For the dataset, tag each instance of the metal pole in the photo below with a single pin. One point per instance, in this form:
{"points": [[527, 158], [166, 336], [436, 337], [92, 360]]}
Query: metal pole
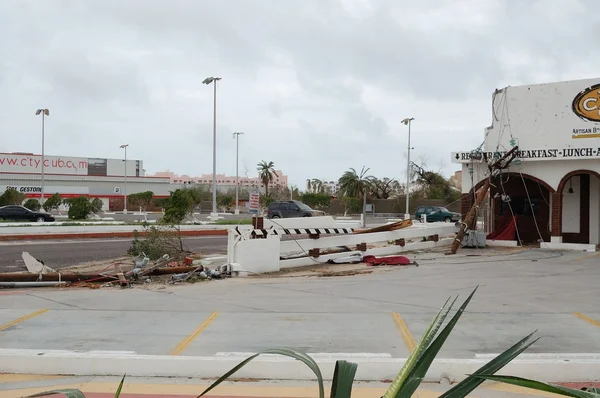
{"points": [[214, 178], [125, 198], [43, 160], [407, 211], [237, 183]]}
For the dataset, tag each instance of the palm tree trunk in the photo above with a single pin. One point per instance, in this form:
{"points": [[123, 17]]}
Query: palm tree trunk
{"points": [[364, 212]]}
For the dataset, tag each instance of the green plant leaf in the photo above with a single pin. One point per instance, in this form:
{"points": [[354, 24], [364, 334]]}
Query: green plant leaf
{"points": [[539, 386], [288, 352], [419, 371], [118, 392], [69, 392], [472, 382], [419, 349], [343, 378]]}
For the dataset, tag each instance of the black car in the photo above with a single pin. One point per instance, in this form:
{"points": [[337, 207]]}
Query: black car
{"points": [[20, 213], [291, 208]]}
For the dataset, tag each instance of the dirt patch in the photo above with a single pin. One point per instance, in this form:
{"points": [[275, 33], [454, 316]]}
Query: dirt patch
{"points": [[327, 270]]}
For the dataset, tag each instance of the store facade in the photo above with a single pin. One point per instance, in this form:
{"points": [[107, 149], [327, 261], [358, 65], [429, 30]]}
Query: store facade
{"points": [[107, 179], [551, 191]]}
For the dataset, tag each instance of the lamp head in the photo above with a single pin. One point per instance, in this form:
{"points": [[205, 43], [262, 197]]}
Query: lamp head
{"points": [[209, 80]]}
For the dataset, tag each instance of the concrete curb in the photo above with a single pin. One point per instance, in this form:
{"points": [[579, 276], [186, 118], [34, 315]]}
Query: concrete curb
{"points": [[370, 367], [98, 235]]}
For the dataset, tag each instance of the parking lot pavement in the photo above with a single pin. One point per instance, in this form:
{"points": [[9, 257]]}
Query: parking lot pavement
{"points": [[382, 313]]}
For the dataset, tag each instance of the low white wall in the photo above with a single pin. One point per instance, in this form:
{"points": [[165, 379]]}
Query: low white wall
{"points": [[262, 255]]}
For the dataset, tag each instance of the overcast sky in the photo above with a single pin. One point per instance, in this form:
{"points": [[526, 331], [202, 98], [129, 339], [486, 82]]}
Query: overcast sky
{"points": [[317, 86]]}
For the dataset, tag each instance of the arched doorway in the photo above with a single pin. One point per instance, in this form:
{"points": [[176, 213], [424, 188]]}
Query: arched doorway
{"points": [[520, 198], [579, 215]]}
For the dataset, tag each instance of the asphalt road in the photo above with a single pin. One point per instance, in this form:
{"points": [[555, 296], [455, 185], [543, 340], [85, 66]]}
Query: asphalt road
{"points": [[60, 254]]}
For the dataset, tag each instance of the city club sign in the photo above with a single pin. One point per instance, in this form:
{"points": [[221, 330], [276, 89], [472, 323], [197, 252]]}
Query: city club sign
{"points": [[586, 105], [531, 154]]}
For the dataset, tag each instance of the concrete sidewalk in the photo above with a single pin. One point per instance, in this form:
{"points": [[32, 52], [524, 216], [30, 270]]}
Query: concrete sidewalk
{"points": [[374, 318], [14, 386]]}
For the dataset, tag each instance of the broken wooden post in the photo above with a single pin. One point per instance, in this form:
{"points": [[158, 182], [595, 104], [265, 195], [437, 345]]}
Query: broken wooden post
{"points": [[470, 217]]}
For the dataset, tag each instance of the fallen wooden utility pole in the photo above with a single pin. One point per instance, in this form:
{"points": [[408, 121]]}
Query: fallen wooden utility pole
{"points": [[470, 218], [76, 277]]}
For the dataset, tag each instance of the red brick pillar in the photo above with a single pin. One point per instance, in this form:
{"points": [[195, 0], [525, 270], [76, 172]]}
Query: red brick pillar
{"points": [[556, 214]]}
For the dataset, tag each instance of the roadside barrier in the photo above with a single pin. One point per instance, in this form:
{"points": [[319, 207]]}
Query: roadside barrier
{"points": [[251, 251]]}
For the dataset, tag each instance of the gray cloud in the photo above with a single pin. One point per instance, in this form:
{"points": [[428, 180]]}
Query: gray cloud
{"points": [[318, 86]]}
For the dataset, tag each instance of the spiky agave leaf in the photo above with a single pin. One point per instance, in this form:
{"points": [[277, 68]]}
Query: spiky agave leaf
{"points": [[419, 370], [425, 341], [288, 352], [69, 392], [539, 386], [343, 378], [472, 382]]}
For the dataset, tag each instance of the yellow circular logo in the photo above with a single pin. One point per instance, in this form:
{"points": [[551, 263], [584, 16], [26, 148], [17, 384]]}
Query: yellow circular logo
{"points": [[586, 104]]}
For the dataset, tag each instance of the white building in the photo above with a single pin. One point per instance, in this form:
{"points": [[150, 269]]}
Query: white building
{"points": [[553, 186], [78, 176]]}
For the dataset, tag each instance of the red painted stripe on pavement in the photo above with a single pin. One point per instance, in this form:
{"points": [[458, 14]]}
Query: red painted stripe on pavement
{"points": [[127, 395], [579, 385], [99, 235]]}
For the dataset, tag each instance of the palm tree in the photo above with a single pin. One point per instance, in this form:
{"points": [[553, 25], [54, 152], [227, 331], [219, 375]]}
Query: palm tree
{"points": [[354, 185], [317, 186], [266, 171]]}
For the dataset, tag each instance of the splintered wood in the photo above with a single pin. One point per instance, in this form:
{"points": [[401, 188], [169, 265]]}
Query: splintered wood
{"points": [[387, 227]]}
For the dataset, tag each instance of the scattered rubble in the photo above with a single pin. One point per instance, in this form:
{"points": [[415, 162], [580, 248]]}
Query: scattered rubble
{"points": [[124, 272]]}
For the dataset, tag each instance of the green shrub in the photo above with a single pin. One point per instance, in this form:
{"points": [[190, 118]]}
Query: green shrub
{"points": [[157, 241], [316, 200], [96, 205], [32, 204], [53, 202], [141, 199], [179, 204], [11, 197], [79, 207]]}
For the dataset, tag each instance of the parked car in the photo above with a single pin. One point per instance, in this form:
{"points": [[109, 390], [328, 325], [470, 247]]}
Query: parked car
{"points": [[291, 208], [20, 213], [437, 214]]}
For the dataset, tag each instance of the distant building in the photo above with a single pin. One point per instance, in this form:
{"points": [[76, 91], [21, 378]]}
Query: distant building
{"points": [[224, 182], [456, 179], [70, 177]]}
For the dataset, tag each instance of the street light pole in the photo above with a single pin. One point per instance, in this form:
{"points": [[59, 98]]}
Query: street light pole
{"points": [[207, 81], [124, 146], [43, 112], [407, 211], [237, 183]]}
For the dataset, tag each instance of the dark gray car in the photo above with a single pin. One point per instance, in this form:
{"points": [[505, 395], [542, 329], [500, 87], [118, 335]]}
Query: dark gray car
{"points": [[291, 208], [20, 213]]}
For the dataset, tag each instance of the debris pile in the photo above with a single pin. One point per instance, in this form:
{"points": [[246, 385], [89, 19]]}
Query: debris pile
{"points": [[141, 270]]}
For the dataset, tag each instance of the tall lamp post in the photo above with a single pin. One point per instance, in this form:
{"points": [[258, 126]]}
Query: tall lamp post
{"points": [[237, 182], [407, 213], [124, 146], [43, 112], [208, 81]]}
